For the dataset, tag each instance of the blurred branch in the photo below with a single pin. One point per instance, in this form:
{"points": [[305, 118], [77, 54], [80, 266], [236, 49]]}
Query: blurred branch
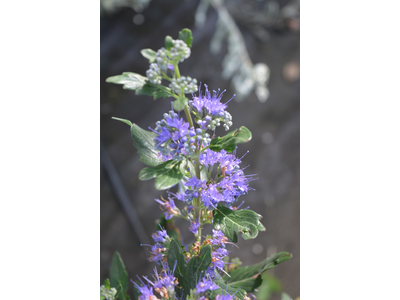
{"points": [[237, 64], [122, 195]]}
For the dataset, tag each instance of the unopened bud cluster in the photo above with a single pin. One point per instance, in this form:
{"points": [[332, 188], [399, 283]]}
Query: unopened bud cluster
{"points": [[162, 59], [211, 122], [180, 51], [154, 74], [184, 84]]}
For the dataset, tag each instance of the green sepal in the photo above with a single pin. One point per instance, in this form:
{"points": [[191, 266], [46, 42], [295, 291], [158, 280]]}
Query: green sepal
{"points": [[229, 141], [186, 36], [180, 103], [149, 54], [131, 81], [232, 222], [144, 143], [168, 42]]}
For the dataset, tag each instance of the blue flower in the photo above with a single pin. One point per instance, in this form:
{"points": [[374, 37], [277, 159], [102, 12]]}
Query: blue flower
{"points": [[210, 104], [205, 285], [209, 110], [160, 236], [145, 290], [169, 208], [194, 226]]}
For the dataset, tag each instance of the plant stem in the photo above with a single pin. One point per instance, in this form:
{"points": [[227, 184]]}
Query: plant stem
{"points": [[197, 202]]}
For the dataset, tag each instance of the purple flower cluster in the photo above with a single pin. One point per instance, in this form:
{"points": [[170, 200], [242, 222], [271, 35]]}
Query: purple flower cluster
{"points": [[206, 284], [221, 181], [168, 207], [209, 110], [226, 187], [163, 284], [158, 250], [172, 134], [218, 253], [175, 139]]}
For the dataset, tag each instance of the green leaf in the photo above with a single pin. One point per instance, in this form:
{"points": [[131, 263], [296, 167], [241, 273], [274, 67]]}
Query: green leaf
{"points": [[152, 172], [186, 36], [240, 293], [246, 284], [229, 141], [175, 255], [169, 179], [166, 174], [180, 103], [168, 42], [107, 283], [232, 222], [244, 277], [155, 90], [131, 81], [144, 143], [266, 264], [123, 120], [119, 276], [270, 285], [198, 265], [149, 54]]}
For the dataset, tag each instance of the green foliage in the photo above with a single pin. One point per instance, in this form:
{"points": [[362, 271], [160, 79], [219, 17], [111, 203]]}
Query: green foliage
{"points": [[123, 121], [167, 174], [230, 140], [119, 277], [155, 90], [248, 278], [168, 42], [144, 143], [224, 287], [188, 274], [149, 54], [180, 103], [232, 222], [175, 255], [198, 265], [186, 36], [270, 285], [140, 84], [131, 81]]}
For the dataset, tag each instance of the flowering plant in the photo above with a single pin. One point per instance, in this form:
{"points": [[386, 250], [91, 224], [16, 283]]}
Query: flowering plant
{"points": [[208, 180]]}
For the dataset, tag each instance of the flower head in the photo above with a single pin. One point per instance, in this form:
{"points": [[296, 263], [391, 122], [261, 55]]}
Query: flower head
{"points": [[205, 285], [209, 109]]}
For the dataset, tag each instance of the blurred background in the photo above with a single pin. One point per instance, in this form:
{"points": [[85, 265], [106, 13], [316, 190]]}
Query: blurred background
{"points": [[250, 48]]}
